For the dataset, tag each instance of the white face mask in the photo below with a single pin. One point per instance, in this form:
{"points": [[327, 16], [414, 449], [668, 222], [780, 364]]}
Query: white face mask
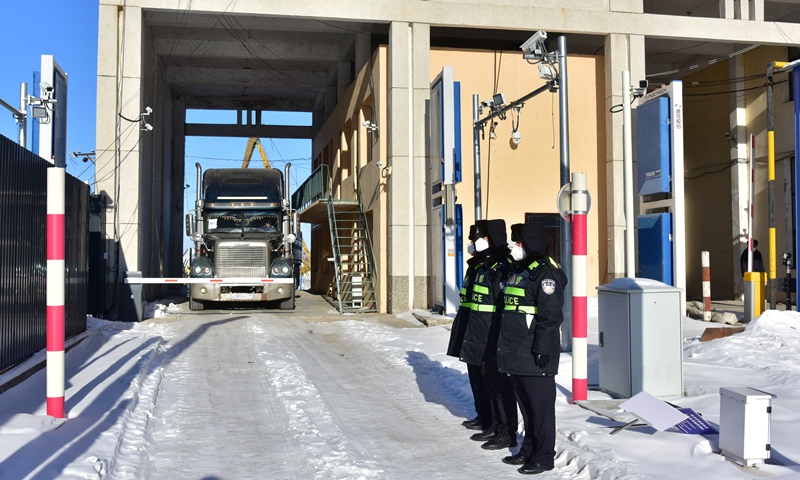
{"points": [[481, 244], [471, 249], [517, 253]]}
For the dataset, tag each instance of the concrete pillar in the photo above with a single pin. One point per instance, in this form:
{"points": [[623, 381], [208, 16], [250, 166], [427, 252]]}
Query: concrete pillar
{"points": [[343, 79], [726, 9], [362, 48], [757, 10], [623, 52], [409, 90], [740, 172], [119, 86]]}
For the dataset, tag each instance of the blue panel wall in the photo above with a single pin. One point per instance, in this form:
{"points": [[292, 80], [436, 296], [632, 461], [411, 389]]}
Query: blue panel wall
{"points": [[655, 247], [653, 146]]}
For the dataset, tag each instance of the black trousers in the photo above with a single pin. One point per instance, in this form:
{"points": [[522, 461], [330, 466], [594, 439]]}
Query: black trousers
{"points": [[481, 395], [537, 401], [501, 399]]}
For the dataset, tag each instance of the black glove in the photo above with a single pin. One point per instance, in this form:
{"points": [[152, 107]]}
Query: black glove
{"points": [[540, 360]]}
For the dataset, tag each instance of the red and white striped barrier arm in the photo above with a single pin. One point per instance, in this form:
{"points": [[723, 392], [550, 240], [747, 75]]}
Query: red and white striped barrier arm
{"points": [[229, 281], [55, 291], [580, 209]]}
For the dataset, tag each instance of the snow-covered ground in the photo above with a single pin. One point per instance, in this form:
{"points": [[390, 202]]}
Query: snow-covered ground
{"points": [[241, 395]]}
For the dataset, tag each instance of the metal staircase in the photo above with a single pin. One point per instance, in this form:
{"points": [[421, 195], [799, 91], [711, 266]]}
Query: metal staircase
{"points": [[353, 258]]}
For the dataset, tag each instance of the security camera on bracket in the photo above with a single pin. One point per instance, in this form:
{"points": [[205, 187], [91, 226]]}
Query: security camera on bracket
{"points": [[533, 48]]}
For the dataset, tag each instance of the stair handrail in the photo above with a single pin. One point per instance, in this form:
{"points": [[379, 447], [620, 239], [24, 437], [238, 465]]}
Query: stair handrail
{"points": [[315, 187]]}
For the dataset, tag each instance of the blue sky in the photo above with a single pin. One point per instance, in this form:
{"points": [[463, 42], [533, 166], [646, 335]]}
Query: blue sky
{"points": [[25, 39]]}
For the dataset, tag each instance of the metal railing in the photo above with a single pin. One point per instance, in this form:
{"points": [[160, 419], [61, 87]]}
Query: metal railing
{"points": [[316, 187]]}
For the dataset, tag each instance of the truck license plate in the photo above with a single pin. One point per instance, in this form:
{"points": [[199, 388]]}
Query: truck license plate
{"points": [[241, 296]]}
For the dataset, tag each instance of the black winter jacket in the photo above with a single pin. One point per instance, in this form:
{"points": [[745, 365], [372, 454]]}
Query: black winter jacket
{"points": [[459, 326], [532, 317], [486, 304]]}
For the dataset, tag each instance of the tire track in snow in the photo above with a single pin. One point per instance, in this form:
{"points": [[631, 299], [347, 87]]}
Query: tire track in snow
{"points": [[216, 416], [329, 451]]}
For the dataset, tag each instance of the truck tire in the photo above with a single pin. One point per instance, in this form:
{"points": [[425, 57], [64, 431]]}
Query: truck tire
{"points": [[288, 304], [196, 305]]}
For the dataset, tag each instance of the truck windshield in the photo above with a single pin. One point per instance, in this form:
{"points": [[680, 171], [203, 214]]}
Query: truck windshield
{"points": [[231, 222]]}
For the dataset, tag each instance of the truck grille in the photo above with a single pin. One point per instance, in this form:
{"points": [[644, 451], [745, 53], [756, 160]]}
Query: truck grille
{"points": [[241, 261]]}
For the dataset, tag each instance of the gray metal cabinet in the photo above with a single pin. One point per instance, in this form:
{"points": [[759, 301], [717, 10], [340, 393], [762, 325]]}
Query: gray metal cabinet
{"points": [[641, 340]]}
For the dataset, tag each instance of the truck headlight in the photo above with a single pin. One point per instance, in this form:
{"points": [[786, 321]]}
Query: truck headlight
{"points": [[281, 267], [202, 267]]}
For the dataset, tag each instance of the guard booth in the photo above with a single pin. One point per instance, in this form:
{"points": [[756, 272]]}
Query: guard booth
{"points": [[444, 172]]}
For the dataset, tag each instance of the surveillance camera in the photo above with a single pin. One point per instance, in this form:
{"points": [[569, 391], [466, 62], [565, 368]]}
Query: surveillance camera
{"points": [[499, 99], [148, 110], [530, 45], [643, 84], [516, 137], [488, 103], [379, 163], [47, 87]]}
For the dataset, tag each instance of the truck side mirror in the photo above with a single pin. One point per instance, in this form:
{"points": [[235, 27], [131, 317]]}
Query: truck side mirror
{"points": [[189, 224]]}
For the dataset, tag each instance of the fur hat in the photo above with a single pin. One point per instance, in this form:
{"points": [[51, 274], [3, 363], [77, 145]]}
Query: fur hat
{"points": [[497, 233], [473, 229], [531, 235]]}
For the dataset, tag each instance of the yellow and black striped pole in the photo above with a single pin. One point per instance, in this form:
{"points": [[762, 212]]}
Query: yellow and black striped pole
{"points": [[773, 286]]}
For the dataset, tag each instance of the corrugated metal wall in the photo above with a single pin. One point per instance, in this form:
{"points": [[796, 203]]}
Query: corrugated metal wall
{"points": [[23, 211]]}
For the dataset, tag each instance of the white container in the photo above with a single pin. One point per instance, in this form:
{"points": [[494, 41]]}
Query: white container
{"points": [[744, 417]]}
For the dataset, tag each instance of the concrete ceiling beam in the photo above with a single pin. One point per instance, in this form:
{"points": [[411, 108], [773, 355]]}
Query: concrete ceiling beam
{"points": [[313, 52], [246, 131], [281, 104], [210, 76]]}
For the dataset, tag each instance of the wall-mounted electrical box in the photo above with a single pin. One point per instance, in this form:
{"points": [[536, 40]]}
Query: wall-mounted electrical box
{"points": [[655, 247]]}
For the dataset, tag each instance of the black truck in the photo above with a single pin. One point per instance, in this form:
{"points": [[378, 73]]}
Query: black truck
{"points": [[243, 228]]}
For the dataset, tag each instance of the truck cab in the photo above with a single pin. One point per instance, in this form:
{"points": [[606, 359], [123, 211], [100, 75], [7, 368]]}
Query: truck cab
{"points": [[243, 230]]}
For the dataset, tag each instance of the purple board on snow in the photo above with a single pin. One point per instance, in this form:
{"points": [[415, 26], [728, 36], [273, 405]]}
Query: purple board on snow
{"points": [[695, 424]]}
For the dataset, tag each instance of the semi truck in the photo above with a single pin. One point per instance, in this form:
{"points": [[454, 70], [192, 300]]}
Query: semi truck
{"points": [[243, 228]]}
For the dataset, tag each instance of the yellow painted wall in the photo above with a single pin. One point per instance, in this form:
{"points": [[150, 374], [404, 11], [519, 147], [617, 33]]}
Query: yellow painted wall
{"points": [[707, 167], [525, 178], [516, 179]]}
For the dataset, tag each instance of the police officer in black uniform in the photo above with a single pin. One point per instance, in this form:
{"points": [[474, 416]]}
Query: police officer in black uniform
{"points": [[529, 346], [480, 340], [480, 395]]}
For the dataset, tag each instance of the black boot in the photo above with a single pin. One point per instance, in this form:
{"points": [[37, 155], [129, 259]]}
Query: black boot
{"points": [[533, 469], [474, 424], [518, 459], [499, 442], [483, 436]]}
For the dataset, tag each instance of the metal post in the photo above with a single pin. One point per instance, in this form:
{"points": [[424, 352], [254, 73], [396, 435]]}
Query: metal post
{"points": [[627, 160], [23, 118], [752, 202], [773, 288], [476, 141], [796, 89], [566, 227], [579, 210]]}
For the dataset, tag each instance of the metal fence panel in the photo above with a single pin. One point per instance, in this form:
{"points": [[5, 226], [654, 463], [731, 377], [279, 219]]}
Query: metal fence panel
{"points": [[23, 257]]}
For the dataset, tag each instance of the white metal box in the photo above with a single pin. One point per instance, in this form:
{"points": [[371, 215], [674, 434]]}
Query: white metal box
{"points": [[744, 424], [641, 338]]}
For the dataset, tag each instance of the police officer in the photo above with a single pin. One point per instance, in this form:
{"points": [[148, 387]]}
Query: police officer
{"points": [[480, 395], [480, 340], [529, 345]]}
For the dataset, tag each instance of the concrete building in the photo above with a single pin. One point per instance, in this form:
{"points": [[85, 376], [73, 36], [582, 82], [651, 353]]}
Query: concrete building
{"points": [[349, 62]]}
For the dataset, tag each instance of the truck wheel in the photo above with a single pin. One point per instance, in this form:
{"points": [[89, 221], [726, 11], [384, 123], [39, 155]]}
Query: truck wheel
{"points": [[196, 305], [288, 304]]}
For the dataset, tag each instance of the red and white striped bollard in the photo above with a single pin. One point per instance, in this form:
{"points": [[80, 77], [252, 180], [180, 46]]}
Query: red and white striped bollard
{"points": [[706, 264], [56, 197], [580, 209]]}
